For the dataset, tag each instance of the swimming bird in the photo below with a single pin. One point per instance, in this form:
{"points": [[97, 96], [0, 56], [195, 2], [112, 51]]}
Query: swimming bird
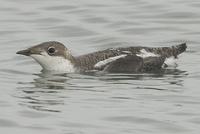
{"points": [[54, 56]]}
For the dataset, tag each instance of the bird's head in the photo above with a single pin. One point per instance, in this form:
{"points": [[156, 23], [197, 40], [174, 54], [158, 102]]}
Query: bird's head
{"points": [[52, 56]]}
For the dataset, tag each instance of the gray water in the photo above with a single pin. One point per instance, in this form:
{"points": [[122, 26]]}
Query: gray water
{"points": [[33, 102]]}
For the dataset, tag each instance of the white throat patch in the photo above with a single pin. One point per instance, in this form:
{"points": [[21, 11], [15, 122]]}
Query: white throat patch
{"points": [[54, 63]]}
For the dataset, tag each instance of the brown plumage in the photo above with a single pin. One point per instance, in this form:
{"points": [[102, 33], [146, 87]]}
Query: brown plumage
{"points": [[54, 55], [87, 62]]}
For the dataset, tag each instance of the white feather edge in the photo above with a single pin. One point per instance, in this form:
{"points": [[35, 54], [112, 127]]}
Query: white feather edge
{"points": [[144, 54], [106, 61]]}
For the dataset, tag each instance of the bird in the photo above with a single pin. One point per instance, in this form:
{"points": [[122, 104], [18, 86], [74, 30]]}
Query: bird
{"points": [[54, 56]]}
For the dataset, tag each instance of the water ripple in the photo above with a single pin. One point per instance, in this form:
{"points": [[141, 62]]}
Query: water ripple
{"points": [[37, 102]]}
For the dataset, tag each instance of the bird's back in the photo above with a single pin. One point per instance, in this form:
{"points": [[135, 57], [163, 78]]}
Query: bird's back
{"points": [[88, 61]]}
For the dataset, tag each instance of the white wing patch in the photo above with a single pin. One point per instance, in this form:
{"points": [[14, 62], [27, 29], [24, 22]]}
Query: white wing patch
{"points": [[171, 62], [106, 61], [127, 52], [144, 54]]}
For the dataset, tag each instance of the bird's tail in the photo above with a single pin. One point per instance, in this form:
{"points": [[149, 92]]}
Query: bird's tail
{"points": [[178, 49]]}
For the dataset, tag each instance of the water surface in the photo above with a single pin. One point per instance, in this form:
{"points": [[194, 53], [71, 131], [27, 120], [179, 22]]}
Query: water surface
{"points": [[36, 102]]}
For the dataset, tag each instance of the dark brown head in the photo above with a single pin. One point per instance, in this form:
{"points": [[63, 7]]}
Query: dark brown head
{"points": [[50, 55], [52, 48]]}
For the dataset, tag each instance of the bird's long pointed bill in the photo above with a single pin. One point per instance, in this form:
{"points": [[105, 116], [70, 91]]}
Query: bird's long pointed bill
{"points": [[25, 52]]}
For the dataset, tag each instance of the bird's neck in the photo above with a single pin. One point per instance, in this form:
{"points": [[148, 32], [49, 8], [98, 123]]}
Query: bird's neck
{"points": [[64, 65]]}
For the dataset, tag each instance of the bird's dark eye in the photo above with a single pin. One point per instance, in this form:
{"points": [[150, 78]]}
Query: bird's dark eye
{"points": [[51, 50]]}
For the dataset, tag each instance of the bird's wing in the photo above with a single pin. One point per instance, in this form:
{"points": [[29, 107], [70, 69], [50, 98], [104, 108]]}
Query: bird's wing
{"points": [[134, 64], [153, 63], [91, 60], [127, 64]]}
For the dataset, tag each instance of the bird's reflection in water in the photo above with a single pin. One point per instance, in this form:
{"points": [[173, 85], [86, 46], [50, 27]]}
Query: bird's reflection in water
{"points": [[50, 81], [161, 74], [45, 93], [48, 92], [166, 79]]}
